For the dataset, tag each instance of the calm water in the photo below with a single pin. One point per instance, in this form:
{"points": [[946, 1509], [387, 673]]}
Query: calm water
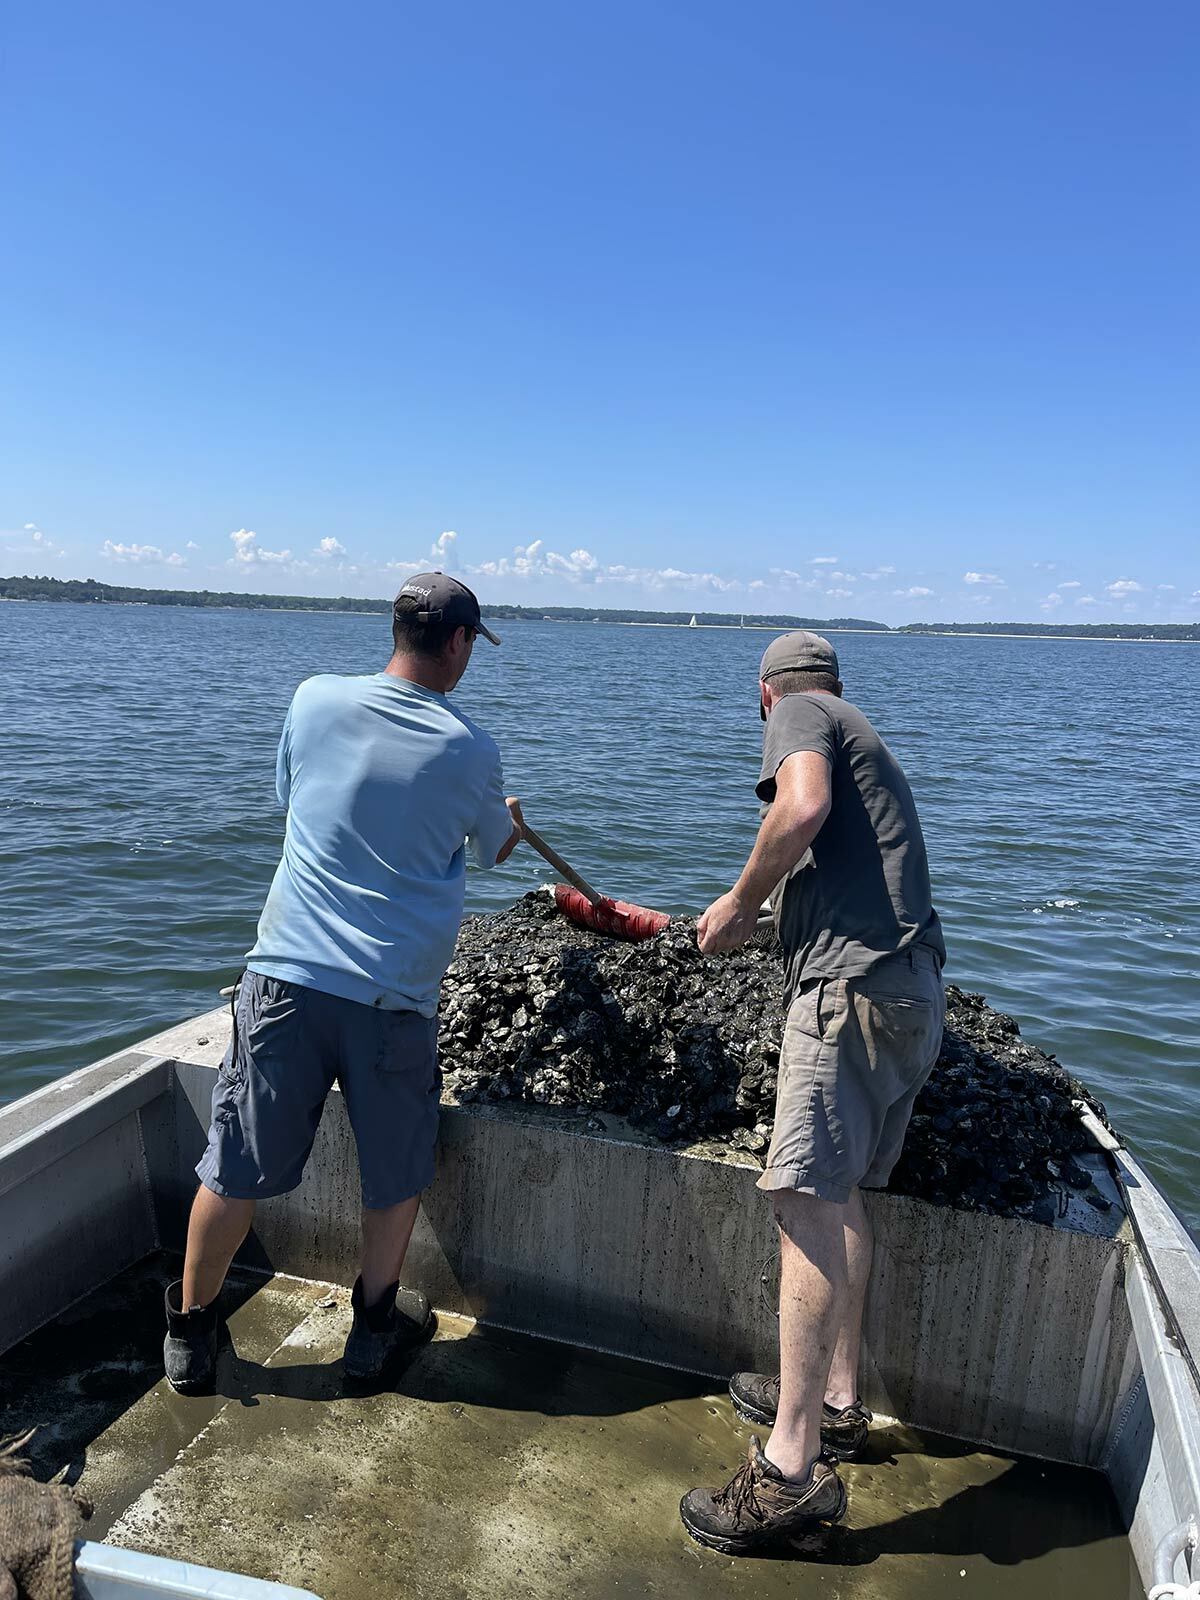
{"points": [[1057, 782]]}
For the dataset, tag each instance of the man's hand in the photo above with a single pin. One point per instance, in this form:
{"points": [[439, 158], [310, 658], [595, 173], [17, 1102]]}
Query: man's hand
{"points": [[518, 833], [726, 925]]}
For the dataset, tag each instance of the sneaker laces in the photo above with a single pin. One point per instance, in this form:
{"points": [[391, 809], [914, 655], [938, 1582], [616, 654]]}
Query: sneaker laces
{"points": [[739, 1495]]}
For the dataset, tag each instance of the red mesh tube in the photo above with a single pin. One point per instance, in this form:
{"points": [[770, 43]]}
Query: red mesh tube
{"points": [[615, 917]]}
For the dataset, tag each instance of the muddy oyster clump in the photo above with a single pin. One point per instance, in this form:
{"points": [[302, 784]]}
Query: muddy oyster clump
{"points": [[687, 1048]]}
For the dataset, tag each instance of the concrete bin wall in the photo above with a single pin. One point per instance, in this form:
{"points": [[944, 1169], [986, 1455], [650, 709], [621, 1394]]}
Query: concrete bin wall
{"points": [[1003, 1332], [999, 1331]]}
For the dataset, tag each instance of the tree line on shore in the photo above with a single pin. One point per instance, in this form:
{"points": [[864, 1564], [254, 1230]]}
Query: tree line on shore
{"points": [[88, 591]]}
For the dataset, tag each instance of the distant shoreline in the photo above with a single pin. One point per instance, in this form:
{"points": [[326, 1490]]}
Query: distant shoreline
{"points": [[29, 591]]}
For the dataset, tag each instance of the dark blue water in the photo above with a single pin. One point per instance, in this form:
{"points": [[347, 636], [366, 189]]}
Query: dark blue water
{"points": [[1057, 781]]}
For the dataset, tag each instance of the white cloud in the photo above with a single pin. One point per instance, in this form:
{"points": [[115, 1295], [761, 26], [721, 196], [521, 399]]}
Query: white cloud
{"points": [[823, 561], [1052, 601], [33, 541], [1087, 600], [990, 578], [838, 594], [140, 554], [191, 545], [787, 578], [1169, 586], [443, 546], [1071, 583], [247, 551], [330, 547], [917, 592], [880, 572], [1122, 587], [1046, 566], [534, 560], [842, 577]]}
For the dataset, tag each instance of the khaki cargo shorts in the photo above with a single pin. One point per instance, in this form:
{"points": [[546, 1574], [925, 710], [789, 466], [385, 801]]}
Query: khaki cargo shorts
{"points": [[855, 1054]]}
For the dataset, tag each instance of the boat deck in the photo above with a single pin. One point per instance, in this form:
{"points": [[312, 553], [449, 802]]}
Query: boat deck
{"points": [[496, 1465]]}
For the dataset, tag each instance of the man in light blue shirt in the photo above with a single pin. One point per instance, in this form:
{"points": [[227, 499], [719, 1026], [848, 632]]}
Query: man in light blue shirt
{"points": [[386, 787]]}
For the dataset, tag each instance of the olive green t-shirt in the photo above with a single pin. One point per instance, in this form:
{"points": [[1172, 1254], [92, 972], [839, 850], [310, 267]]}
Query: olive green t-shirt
{"points": [[861, 892]]}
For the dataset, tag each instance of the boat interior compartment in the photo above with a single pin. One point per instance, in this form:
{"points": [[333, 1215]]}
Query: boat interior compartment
{"points": [[593, 1289]]}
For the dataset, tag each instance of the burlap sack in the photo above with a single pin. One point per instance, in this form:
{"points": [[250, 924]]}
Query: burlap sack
{"points": [[39, 1523]]}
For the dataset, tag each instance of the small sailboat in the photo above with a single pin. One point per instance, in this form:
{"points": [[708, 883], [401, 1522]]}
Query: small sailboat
{"points": [[693, 623]]}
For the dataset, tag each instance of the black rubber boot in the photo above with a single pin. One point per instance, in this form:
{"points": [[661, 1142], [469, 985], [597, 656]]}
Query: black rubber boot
{"points": [[190, 1348], [755, 1396], [399, 1322]]}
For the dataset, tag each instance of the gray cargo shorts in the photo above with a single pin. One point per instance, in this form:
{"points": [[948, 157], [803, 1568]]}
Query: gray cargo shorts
{"points": [[290, 1045], [855, 1054]]}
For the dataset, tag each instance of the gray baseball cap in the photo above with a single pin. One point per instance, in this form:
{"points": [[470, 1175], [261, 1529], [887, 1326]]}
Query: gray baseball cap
{"points": [[434, 597], [797, 652]]}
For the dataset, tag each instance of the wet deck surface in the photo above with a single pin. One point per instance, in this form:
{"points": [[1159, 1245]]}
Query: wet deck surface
{"points": [[497, 1466]]}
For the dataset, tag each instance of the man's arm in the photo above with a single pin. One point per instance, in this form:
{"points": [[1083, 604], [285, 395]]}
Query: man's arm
{"points": [[499, 827], [802, 800], [283, 762]]}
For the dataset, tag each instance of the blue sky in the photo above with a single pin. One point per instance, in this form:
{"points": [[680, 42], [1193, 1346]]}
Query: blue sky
{"points": [[859, 309]]}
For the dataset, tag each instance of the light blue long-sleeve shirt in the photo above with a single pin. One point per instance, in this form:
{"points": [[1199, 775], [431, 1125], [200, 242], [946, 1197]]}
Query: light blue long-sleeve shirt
{"points": [[386, 784]]}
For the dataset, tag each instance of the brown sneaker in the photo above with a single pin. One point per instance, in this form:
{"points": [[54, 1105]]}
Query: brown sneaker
{"points": [[759, 1506], [843, 1433]]}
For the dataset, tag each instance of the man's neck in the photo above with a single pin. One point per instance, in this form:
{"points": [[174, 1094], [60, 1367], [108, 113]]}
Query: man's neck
{"points": [[420, 670]]}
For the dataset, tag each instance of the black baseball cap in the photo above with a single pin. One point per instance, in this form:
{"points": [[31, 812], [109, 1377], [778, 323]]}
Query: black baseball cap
{"points": [[434, 597]]}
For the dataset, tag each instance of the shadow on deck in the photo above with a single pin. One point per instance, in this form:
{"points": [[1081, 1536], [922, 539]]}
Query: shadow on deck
{"points": [[498, 1465]]}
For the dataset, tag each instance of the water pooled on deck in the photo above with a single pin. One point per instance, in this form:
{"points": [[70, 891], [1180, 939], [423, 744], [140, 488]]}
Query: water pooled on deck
{"points": [[495, 1465]]}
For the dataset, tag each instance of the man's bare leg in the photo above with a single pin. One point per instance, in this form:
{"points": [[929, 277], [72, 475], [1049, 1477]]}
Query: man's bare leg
{"points": [[813, 1295], [216, 1229], [842, 1388], [385, 1236]]}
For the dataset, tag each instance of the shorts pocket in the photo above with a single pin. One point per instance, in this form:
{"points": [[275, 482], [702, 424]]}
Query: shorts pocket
{"points": [[901, 1013], [805, 1014], [407, 1042], [232, 1070], [266, 1011], [903, 1033]]}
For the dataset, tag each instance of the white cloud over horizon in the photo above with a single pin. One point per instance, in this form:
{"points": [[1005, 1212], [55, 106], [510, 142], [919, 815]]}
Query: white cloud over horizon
{"points": [[247, 551], [541, 570], [580, 567], [140, 554], [32, 540]]}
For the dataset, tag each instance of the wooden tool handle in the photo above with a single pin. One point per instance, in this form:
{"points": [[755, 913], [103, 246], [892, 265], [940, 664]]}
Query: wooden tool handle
{"points": [[556, 861]]}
